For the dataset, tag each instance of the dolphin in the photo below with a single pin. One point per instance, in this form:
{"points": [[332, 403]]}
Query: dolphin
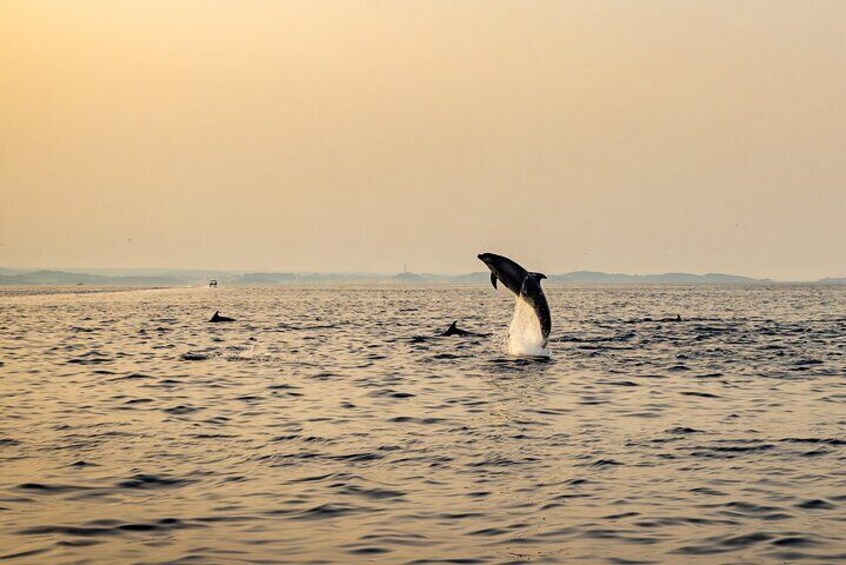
{"points": [[218, 318], [522, 283], [678, 318], [453, 329]]}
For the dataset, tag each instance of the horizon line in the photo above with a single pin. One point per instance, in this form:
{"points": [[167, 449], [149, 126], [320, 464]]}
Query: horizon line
{"points": [[241, 271]]}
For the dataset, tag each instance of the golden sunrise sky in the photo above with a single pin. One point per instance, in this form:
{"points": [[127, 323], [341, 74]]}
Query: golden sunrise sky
{"points": [[624, 136]]}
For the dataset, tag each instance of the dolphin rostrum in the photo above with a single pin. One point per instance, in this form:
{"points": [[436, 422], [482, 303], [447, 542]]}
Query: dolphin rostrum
{"points": [[524, 284]]}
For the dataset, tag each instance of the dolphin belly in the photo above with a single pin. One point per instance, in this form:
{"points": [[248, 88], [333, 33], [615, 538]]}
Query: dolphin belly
{"points": [[532, 293]]}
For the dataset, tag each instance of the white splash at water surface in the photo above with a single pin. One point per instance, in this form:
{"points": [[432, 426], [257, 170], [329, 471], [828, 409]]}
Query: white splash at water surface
{"points": [[525, 338]]}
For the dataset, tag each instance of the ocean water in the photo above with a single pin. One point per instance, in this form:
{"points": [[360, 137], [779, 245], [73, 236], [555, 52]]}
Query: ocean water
{"points": [[331, 425]]}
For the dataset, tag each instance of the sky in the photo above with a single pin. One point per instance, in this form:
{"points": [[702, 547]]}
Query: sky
{"points": [[353, 136]]}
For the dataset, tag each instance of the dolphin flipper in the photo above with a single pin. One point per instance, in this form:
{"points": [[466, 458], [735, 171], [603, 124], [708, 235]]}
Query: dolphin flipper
{"points": [[493, 280]]}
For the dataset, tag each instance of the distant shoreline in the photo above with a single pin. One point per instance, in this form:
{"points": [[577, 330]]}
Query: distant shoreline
{"points": [[45, 289], [153, 278]]}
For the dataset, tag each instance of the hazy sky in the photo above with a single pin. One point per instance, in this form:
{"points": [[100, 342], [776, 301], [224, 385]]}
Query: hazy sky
{"points": [[629, 136]]}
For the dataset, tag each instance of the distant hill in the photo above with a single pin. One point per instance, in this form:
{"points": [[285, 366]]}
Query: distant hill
{"points": [[409, 278], [5, 271], [266, 278], [833, 280], [671, 278], [52, 278], [62, 278]]}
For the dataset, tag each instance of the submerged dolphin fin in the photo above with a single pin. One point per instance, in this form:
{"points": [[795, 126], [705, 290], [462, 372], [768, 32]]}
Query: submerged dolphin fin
{"points": [[451, 330], [493, 280]]}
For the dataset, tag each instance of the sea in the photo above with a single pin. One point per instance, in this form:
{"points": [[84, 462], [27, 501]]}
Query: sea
{"points": [[333, 424]]}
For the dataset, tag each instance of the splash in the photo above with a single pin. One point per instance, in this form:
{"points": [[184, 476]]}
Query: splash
{"points": [[524, 334]]}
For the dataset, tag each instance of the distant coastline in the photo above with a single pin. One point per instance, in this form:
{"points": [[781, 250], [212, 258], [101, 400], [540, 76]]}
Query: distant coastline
{"points": [[162, 277]]}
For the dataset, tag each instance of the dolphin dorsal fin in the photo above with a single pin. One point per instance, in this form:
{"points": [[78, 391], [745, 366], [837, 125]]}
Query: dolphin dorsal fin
{"points": [[493, 280], [452, 325]]}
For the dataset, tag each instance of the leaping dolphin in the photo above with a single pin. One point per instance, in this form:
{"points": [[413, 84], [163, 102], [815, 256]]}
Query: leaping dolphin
{"points": [[524, 284]]}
